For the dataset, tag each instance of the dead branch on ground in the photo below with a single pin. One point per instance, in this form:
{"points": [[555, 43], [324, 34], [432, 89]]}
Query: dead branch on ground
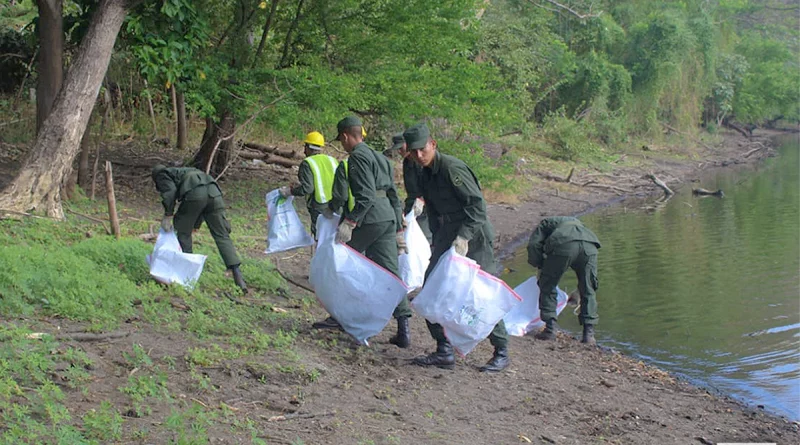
{"points": [[660, 184]]}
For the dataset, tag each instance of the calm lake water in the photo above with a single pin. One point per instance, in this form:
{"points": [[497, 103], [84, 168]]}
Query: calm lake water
{"points": [[707, 288]]}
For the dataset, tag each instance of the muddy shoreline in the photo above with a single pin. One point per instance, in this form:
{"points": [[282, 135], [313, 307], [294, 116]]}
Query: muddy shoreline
{"points": [[515, 222]]}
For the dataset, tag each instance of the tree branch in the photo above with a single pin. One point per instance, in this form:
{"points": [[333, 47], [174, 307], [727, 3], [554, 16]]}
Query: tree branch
{"points": [[561, 7]]}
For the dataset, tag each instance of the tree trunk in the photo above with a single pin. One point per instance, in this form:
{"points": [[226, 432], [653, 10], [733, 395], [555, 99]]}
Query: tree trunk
{"points": [[265, 32], [51, 67], [213, 147], [36, 187], [84, 175], [181, 119], [288, 42]]}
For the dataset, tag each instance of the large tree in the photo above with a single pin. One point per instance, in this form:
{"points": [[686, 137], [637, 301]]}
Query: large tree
{"points": [[50, 28], [37, 187]]}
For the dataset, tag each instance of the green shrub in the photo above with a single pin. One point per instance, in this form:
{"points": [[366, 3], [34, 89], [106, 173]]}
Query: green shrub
{"points": [[127, 255], [569, 139], [61, 283]]}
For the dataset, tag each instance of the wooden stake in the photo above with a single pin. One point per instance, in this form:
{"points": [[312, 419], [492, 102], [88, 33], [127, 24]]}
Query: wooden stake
{"points": [[112, 201]]}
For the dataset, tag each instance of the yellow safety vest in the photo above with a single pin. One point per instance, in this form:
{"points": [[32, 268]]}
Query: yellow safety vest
{"points": [[351, 201], [323, 168]]}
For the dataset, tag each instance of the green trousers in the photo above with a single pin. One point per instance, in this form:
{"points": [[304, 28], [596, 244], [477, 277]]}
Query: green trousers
{"points": [[378, 242], [581, 257], [481, 249], [198, 206]]}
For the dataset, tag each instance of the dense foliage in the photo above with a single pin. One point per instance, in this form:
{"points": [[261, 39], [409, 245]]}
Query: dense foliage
{"points": [[579, 74]]}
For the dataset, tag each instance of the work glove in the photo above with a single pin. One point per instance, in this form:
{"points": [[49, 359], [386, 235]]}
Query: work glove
{"points": [[419, 205], [285, 191], [345, 231], [402, 248], [166, 223], [327, 212], [461, 245]]}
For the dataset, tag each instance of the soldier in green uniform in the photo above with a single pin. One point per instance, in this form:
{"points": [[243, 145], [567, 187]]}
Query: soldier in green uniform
{"points": [[315, 179], [457, 215], [200, 199], [560, 243], [371, 220], [411, 172]]}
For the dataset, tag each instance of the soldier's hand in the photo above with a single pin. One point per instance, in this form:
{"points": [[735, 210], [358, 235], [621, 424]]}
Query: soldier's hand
{"points": [[345, 231], [419, 206], [166, 223], [402, 247], [285, 191], [461, 245]]}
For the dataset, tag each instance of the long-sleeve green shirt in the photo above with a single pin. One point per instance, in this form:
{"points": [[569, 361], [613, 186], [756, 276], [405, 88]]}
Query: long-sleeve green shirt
{"points": [[554, 231], [453, 195], [411, 178], [176, 183], [369, 176]]}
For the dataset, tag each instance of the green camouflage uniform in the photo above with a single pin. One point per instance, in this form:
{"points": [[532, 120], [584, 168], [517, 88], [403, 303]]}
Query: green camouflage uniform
{"points": [[376, 210], [456, 207], [560, 243], [200, 198]]}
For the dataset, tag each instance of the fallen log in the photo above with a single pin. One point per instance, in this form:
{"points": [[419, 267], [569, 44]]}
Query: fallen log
{"points": [[703, 192], [286, 153], [283, 162], [88, 336], [751, 152], [660, 184]]}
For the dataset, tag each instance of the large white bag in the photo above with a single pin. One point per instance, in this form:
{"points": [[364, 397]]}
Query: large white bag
{"points": [[524, 317], [413, 264], [467, 301], [358, 293], [284, 229], [168, 264]]}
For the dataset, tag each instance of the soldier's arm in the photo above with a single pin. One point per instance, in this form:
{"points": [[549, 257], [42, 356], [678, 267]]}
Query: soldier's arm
{"points": [[469, 193], [411, 183], [340, 189], [391, 193], [536, 245], [169, 191], [306, 178], [362, 185]]}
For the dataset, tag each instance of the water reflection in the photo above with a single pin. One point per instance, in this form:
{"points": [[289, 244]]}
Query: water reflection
{"points": [[707, 287]]}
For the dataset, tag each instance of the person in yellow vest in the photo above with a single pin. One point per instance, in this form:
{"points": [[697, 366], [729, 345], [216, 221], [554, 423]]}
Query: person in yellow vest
{"points": [[315, 179]]}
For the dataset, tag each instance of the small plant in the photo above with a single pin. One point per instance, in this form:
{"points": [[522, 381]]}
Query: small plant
{"points": [[103, 423], [138, 358]]}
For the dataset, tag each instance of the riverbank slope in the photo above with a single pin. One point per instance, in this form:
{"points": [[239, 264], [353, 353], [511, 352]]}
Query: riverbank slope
{"points": [[214, 366]]}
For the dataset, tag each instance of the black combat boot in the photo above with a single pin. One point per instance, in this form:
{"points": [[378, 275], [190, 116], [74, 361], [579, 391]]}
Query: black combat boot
{"points": [[328, 323], [549, 331], [499, 361], [442, 358], [588, 334], [238, 279], [403, 337]]}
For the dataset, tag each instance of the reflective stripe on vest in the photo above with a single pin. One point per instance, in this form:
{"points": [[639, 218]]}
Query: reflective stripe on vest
{"points": [[351, 201], [323, 168]]}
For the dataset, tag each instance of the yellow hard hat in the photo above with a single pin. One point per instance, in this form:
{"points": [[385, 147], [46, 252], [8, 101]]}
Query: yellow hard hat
{"points": [[315, 138]]}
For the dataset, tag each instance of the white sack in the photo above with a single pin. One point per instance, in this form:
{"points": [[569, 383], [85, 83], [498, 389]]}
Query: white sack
{"points": [[467, 301], [413, 265], [168, 264], [284, 229], [358, 293], [524, 317]]}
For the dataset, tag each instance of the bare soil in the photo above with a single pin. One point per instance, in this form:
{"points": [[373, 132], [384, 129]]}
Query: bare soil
{"points": [[558, 392]]}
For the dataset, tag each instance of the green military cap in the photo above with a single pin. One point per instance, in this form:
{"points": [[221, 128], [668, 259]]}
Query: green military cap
{"points": [[398, 141], [349, 121], [158, 168], [417, 137]]}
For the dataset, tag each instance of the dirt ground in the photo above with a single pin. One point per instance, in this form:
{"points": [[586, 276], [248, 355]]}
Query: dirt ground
{"points": [[559, 392]]}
